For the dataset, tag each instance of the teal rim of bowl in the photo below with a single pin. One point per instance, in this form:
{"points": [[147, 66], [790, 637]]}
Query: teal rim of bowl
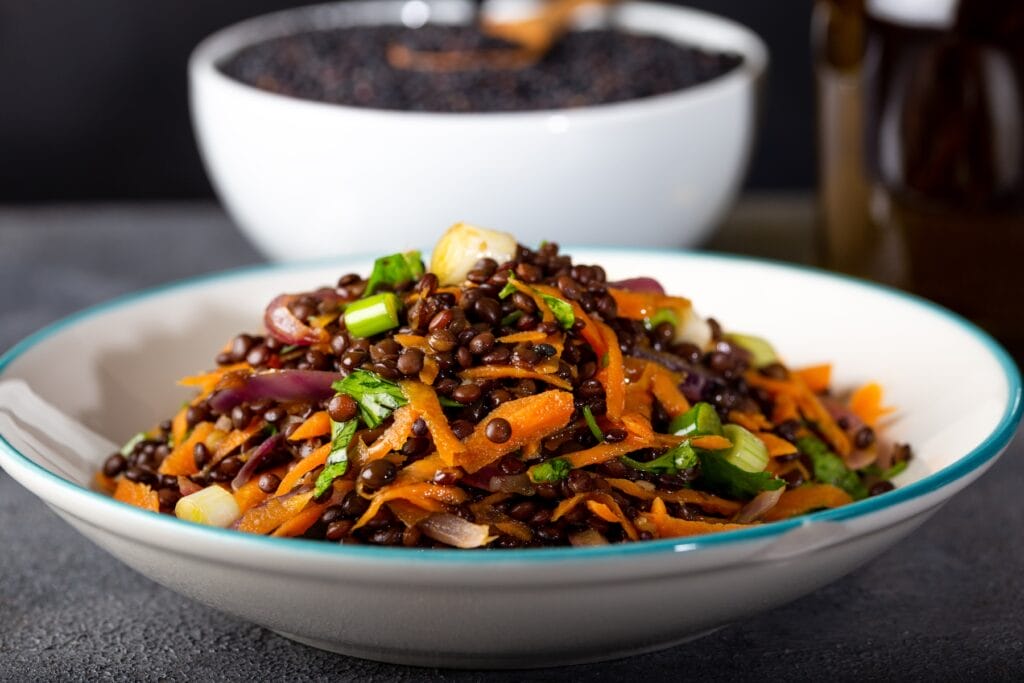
{"points": [[989, 448]]}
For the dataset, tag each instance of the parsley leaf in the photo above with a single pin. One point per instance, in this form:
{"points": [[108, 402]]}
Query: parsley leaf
{"points": [[681, 457], [337, 461], [561, 309], [376, 396], [829, 468], [551, 471]]}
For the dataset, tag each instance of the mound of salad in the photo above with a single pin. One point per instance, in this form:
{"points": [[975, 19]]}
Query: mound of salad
{"points": [[504, 398]]}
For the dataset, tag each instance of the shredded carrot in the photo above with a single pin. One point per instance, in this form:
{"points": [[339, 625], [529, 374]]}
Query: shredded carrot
{"points": [[808, 403], [181, 460], [139, 495], [523, 337], [816, 377], [754, 422], [249, 494], [639, 399], [784, 410], [179, 426], [866, 403], [672, 527], [535, 294], [510, 371], [317, 424], [273, 512], [105, 483], [301, 522], [420, 470], [707, 501], [427, 496], [604, 452], [776, 445], [605, 507], [393, 438], [412, 341], [430, 370], [665, 387], [806, 498], [303, 467], [530, 417], [566, 505], [424, 402], [641, 305], [207, 381], [612, 374], [237, 438], [410, 514], [711, 442]]}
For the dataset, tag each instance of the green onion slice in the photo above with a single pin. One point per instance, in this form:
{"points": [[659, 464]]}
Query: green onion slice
{"points": [[372, 315]]}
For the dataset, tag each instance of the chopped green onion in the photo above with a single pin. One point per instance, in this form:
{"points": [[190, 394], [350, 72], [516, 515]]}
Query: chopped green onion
{"points": [[551, 471], [213, 506], [681, 457], [762, 353], [747, 451], [720, 475], [662, 315], [395, 271], [511, 318], [700, 420], [588, 415], [373, 315], [127, 449], [509, 289]]}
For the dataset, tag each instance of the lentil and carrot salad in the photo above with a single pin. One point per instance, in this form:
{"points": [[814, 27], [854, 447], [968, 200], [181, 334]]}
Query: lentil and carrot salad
{"points": [[504, 398]]}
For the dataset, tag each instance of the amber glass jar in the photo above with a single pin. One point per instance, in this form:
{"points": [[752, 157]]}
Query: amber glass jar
{"points": [[921, 150]]}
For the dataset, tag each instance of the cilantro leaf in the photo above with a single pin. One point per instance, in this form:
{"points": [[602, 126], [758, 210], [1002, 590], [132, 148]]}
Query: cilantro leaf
{"points": [[337, 461], [721, 475], [377, 397], [829, 468], [395, 270], [508, 290], [681, 457]]}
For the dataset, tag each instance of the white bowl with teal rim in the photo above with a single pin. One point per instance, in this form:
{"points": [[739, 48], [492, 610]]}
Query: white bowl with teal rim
{"points": [[113, 367]]}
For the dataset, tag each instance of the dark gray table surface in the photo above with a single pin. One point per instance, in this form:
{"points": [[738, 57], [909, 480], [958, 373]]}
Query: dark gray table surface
{"points": [[945, 604]]}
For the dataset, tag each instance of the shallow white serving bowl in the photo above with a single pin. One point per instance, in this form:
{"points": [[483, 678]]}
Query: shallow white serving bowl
{"points": [[305, 179], [114, 367]]}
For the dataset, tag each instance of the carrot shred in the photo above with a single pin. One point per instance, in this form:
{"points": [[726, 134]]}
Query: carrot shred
{"points": [[424, 402], [866, 403], [613, 374], [408, 513], [430, 370], [754, 422], [672, 527], [139, 495], [776, 445], [604, 452], [303, 467], [665, 387], [427, 496], [207, 381], [806, 498], [711, 442], [707, 501], [273, 512], [412, 341], [317, 424], [785, 409], [181, 460], [104, 483], [179, 426], [523, 337], [605, 507], [394, 437], [237, 438], [249, 494], [510, 371], [566, 505], [808, 403], [530, 417], [323, 320], [640, 305], [602, 511], [816, 377], [420, 470], [303, 520]]}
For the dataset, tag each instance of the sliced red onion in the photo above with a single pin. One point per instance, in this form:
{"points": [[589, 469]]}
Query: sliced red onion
{"points": [[187, 486], [284, 326], [761, 503], [646, 285], [512, 483], [456, 531], [256, 458], [277, 385]]}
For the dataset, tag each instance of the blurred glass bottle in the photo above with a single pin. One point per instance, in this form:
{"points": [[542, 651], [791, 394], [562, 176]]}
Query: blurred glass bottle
{"points": [[921, 150]]}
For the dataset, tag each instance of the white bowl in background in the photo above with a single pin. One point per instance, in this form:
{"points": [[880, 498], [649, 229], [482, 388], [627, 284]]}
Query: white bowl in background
{"points": [[306, 179], [114, 368]]}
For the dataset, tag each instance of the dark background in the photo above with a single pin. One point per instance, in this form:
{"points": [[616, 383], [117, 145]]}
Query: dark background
{"points": [[94, 100]]}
